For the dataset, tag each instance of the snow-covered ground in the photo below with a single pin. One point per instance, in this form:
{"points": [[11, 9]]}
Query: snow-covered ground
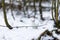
{"points": [[34, 29], [23, 33]]}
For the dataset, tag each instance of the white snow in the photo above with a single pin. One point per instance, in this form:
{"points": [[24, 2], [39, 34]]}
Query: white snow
{"points": [[23, 33], [36, 26]]}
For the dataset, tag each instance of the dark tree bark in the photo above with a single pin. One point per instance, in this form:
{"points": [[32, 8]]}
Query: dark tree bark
{"points": [[5, 17], [52, 9], [56, 4], [35, 8], [40, 9], [11, 9]]}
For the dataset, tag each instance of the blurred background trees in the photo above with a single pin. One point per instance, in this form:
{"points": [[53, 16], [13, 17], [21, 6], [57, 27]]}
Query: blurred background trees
{"points": [[31, 8], [34, 5]]}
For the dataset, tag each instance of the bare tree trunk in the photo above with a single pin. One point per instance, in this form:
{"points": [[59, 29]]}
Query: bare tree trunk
{"points": [[56, 13], [11, 9], [24, 6], [5, 17], [52, 9], [40, 9], [35, 8]]}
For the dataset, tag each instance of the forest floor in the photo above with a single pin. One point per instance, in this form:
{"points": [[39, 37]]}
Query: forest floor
{"points": [[26, 30], [30, 28]]}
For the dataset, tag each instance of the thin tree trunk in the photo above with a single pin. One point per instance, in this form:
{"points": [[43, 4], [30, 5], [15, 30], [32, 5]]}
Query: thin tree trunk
{"points": [[11, 9], [24, 6], [52, 9], [56, 13], [35, 8], [40, 9], [5, 17]]}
